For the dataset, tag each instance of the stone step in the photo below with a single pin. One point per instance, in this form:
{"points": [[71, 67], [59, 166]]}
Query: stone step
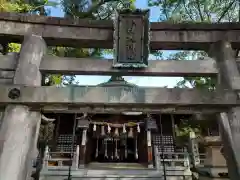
{"points": [[102, 174], [89, 174]]}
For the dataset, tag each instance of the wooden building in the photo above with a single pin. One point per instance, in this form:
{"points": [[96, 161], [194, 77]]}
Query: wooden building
{"points": [[127, 138]]}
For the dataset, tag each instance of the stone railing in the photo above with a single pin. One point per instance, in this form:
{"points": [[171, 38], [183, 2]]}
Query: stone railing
{"points": [[56, 160], [174, 164], [212, 163], [203, 157], [172, 159]]}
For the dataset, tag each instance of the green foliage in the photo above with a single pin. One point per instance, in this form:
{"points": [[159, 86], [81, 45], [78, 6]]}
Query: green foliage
{"points": [[39, 6], [22, 7], [186, 126], [14, 47], [177, 11], [16, 6], [197, 10], [95, 9]]}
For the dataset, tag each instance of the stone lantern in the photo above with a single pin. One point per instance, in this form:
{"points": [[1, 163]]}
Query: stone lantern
{"points": [[214, 156], [214, 164]]}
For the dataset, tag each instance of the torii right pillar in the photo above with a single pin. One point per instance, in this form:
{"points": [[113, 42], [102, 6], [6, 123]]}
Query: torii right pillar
{"points": [[229, 78]]}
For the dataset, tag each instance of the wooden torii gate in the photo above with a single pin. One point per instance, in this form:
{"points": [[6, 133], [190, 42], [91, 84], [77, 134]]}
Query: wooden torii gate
{"points": [[22, 97]]}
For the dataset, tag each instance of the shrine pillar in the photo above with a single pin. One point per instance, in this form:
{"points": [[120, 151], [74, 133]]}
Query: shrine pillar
{"points": [[83, 148], [19, 129], [83, 125], [149, 149], [150, 125]]}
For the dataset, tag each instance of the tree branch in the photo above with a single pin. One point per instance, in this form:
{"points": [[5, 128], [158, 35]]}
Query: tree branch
{"points": [[238, 10], [225, 11], [186, 9], [95, 7], [199, 10]]}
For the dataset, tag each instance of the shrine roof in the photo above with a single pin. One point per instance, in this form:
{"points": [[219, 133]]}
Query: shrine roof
{"points": [[117, 81]]}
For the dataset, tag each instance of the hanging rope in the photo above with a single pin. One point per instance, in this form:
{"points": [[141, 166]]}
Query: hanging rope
{"points": [[108, 129], [124, 129], [102, 131], [138, 128], [130, 133], [116, 125], [116, 132], [94, 127]]}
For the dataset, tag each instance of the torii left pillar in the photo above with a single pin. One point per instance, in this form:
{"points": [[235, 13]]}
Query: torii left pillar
{"points": [[20, 126]]}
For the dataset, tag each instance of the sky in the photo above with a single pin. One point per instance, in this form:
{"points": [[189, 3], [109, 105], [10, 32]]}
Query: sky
{"points": [[140, 81]]}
